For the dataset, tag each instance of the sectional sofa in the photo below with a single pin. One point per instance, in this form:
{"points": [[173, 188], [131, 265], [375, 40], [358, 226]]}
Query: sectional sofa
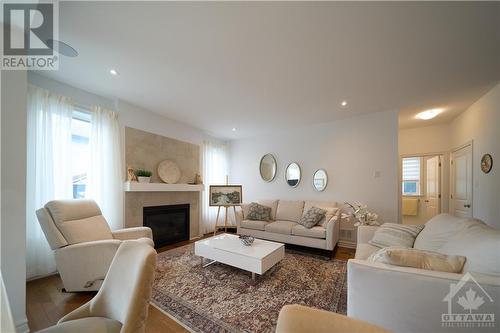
{"points": [[404, 299], [283, 226]]}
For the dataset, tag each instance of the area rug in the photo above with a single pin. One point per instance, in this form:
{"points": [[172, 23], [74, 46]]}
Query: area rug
{"points": [[220, 298]]}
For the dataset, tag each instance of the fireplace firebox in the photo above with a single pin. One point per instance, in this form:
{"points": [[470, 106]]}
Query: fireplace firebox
{"points": [[170, 223]]}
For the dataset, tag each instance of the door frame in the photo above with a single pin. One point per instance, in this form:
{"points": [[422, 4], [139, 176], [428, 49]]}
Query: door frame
{"points": [[462, 146], [444, 154]]}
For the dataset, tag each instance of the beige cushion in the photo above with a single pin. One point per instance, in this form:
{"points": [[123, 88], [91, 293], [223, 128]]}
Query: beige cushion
{"points": [[422, 259], [66, 210], [364, 250], [281, 227], [438, 231], [85, 230], [270, 203], [314, 232], [330, 207], [289, 210], [393, 234], [480, 243], [89, 324], [255, 225], [79, 220]]}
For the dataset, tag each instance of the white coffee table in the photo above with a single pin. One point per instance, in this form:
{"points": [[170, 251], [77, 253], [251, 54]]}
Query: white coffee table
{"points": [[228, 249]]}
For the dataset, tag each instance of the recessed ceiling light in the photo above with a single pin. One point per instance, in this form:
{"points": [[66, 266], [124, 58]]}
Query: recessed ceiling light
{"points": [[344, 103], [428, 114], [234, 129], [114, 72]]}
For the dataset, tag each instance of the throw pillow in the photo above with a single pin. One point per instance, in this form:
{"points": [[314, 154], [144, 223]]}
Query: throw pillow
{"points": [[312, 217], [257, 212], [393, 234], [422, 259]]}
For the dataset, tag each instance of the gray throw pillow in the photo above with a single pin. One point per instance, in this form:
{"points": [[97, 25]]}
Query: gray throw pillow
{"points": [[312, 217], [258, 212], [395, 234]]}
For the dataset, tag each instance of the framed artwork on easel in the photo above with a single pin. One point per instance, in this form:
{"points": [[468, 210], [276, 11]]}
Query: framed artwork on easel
{"points": [[225, 195]]}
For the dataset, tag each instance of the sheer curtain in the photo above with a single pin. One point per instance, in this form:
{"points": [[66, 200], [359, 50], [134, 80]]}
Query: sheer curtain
{"points": [[215, 169], [48, 169], [105, 178]]}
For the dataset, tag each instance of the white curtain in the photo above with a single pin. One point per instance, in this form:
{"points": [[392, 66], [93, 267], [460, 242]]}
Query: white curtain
{"points": [[48, 169], [215, 169], [105, 177]]}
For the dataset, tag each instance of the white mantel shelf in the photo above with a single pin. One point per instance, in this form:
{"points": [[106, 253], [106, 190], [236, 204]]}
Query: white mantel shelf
{"points": [[161, 187]]}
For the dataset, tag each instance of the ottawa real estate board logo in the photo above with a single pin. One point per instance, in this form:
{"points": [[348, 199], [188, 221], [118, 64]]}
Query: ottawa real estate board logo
{"points": [[469, 305], [29, 32]]}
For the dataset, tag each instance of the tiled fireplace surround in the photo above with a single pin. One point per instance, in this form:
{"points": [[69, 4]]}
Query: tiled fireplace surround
{"points": [[145, 150]]}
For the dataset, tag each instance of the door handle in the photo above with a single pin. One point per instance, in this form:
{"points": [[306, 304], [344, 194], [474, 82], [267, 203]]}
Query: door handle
{"points": [[426, 200], [467, 206]]}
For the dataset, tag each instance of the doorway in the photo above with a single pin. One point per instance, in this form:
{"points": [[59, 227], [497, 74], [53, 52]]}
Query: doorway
{"points": [[421, 187], [461, 181]]}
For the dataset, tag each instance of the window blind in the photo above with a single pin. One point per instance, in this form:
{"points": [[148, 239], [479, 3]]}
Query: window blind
{"points": [[411, 168]]}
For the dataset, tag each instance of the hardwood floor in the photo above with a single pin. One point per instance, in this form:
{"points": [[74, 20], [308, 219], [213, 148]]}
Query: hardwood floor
{"points": [[46, 303]]}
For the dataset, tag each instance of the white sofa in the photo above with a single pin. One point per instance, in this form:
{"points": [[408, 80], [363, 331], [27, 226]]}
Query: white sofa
{"points": [[404, 299], [82, 241], [284, 228]]}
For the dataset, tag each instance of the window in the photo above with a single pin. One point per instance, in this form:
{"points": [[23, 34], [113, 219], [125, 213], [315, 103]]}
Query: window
{"points": [[411, 175], [80, 152]]}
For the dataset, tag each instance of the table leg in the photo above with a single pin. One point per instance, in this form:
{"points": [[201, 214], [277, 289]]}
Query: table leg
{"points": [[253, 276]]}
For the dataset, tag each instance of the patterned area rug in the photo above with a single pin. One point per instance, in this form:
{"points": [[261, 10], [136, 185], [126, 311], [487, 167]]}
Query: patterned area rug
{"points": [[220, 298]]}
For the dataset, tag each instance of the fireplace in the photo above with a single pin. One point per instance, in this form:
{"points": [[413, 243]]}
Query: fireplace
{"points": [[170, 223]]}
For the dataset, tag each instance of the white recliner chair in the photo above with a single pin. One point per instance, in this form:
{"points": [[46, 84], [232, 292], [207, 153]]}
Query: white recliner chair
{"points": [[83, 243]]}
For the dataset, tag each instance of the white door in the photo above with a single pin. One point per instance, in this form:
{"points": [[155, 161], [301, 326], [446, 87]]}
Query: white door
{"points": [[432, 198], [461, 182]]}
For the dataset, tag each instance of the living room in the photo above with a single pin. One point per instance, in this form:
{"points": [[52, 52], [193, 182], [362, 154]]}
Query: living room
{"points": [[251, 167]]}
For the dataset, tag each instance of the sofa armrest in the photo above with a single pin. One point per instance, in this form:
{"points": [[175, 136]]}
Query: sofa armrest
{"points": [[298, 319], [83, 266], [365, 233], [332, 232], [238, 215], [133, 233], [404, 299]]}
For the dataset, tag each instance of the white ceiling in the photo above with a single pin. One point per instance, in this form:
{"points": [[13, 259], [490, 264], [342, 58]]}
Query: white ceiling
{"points": [[258, 66]]}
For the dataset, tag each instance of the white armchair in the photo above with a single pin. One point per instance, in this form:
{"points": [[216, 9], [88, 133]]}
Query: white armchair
{"points": [[83, 243], [121, 305]]}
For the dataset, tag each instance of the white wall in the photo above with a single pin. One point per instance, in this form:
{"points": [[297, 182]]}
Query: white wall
{"points": [[13, 180], [481, 124], [350, 150], [423, 141]]}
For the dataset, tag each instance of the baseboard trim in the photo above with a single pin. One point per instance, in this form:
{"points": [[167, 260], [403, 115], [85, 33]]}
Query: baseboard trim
{"points": [[347, 244], [23, 327]]}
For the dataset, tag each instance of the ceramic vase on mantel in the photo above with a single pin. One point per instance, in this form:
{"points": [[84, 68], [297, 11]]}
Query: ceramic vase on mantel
{"points": [[144, 179]]}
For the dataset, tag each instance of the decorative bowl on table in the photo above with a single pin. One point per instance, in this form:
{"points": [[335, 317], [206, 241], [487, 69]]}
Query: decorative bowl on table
{"points": [[246, 240]]}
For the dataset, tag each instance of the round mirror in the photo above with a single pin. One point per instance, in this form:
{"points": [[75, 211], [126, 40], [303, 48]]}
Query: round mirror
{"points": [[320, 180], [292, 174], [267, 167]]}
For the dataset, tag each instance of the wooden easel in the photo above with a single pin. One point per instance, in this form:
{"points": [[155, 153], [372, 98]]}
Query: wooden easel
{"points": [[225, 225]]}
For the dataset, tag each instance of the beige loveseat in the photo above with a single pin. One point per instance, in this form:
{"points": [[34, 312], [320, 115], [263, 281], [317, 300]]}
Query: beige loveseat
{"points": [[404, 299], [283, 226]]}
